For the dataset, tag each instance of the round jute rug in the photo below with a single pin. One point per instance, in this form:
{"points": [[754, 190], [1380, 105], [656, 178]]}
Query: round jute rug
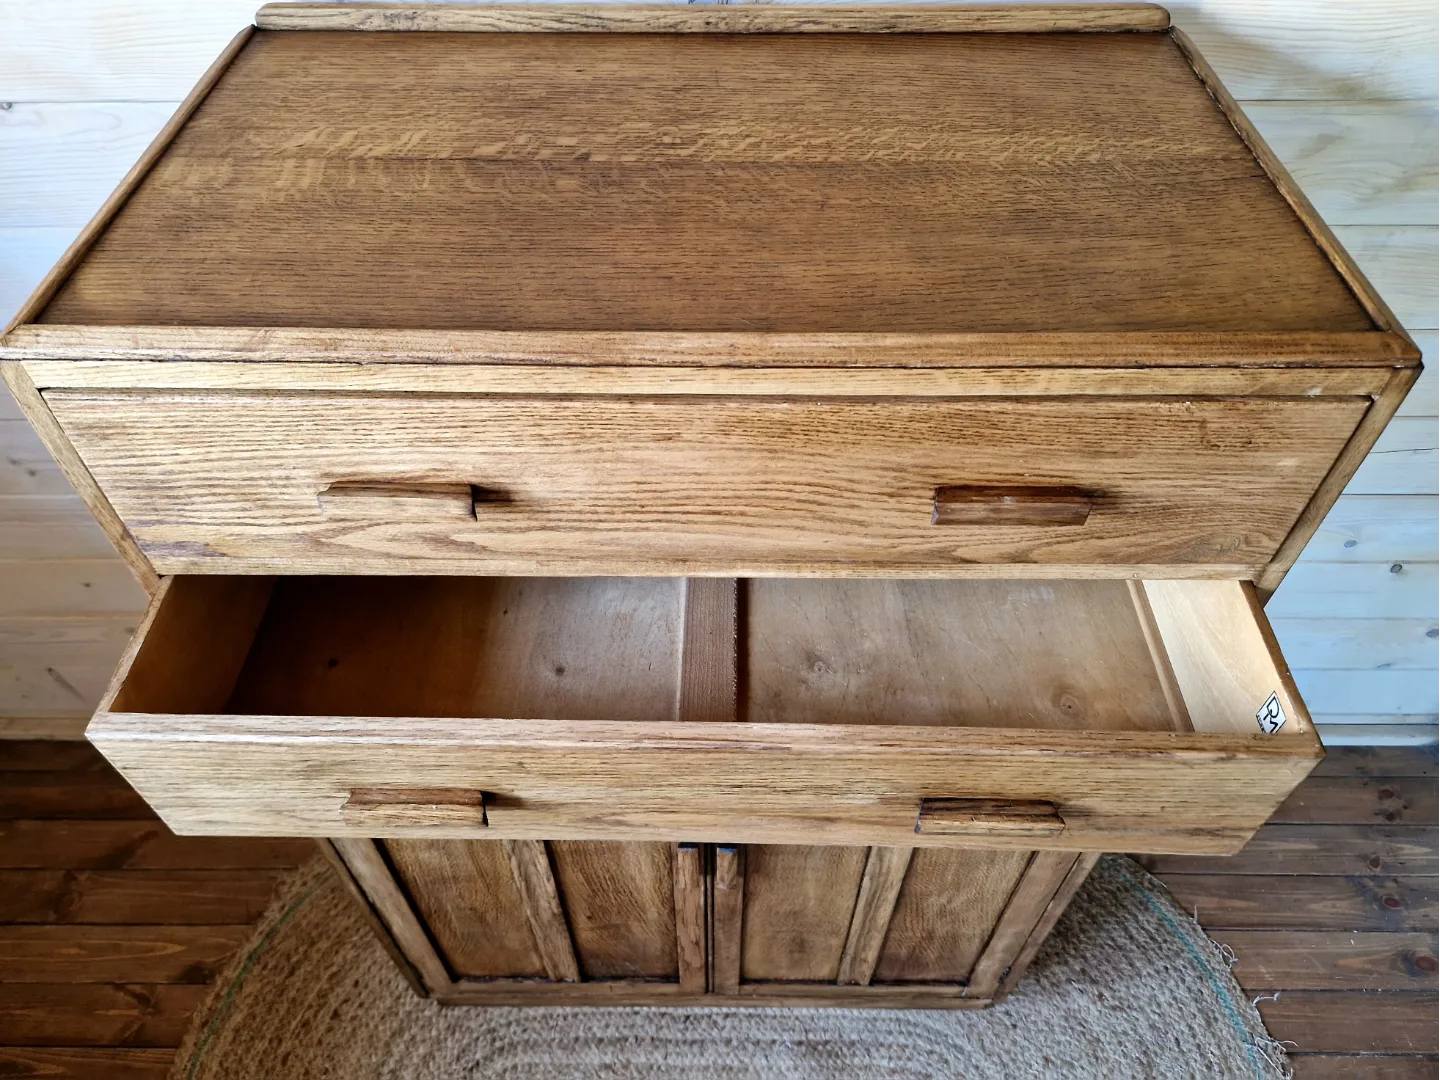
{"points": [[1127, 986]]}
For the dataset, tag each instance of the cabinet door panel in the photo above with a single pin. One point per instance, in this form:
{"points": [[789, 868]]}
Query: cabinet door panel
{"points": [[947, 910], [465, 892], [619, 899], [797, 911]]}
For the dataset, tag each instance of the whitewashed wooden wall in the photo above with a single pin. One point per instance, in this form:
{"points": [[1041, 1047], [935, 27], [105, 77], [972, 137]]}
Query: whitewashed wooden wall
{"points": [[1345, 91]]}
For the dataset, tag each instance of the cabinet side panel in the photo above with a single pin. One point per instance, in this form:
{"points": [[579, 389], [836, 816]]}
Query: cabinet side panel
{"points": [[465, 892], [798, 906], [947, 912], [619, 899]]}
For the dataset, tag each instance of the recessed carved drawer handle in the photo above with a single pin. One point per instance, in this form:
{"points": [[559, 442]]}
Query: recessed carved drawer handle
{"points": [[376, 500], [989, 817], [417, 805], [1001, 504]]}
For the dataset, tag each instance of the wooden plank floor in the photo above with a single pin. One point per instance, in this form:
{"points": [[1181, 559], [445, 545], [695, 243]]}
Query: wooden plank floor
{"points": [[1331, 913], [111, 928]]}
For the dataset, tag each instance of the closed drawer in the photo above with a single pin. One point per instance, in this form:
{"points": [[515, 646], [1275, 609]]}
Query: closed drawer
{"points": [[296, 483], [1094, 715]]}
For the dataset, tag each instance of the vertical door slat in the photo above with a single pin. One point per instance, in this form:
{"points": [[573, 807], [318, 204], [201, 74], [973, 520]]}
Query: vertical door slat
{"points": [[885, 870], [727, 912], [690, 951], [531, 864], [367, 866], [1027, 904]]}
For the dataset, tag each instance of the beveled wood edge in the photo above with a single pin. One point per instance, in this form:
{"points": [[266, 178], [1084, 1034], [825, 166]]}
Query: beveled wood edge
{"points": [[126, 376], [884, 874], [1280, 176], [540, 897], [604, 992], [622, 566], [80, 246], [372, 916], [1043, 876], [727, 913], [882, 740], [1160, 657], [73, 468], [725, 349], [376, 881], [1352, 455], [132, 647], [1289, 692], [656, 18], [692, 919], [1079, 872]]}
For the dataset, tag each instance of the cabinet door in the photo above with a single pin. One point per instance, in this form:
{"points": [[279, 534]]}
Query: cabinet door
{"points": [[531, 920], [879, 925]]}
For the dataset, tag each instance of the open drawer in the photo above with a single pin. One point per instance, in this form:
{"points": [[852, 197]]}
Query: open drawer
{"points": [[1091, 715]]}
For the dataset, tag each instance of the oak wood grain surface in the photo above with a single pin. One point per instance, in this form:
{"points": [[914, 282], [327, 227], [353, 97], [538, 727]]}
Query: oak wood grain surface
{"points": [[811, 193], [629, 484], [570, 723]]}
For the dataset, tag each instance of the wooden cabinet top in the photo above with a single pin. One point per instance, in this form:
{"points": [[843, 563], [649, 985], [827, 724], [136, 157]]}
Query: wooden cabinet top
{"points": [[820, 183]]}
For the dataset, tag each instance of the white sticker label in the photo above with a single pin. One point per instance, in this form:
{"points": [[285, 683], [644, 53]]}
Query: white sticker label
{"points": [[1270, 716]]}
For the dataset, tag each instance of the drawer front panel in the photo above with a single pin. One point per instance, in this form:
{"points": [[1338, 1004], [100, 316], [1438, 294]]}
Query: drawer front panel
{"points": [[386, 484], [762, 783]]}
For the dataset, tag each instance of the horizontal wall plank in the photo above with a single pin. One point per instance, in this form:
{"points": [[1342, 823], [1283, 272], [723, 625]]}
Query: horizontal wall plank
{"points": [[59, 160], [1403, 462], [1378, 719], [1400, 263], [1370, 528], [26, 467], [1342, 735], [99, 50], [1355, 643], [49, 527], [1397, 472], [102, 633], [1318, 589], [1359, 162], [56, 587], [40, 677], [1282, 49], [1370, 692]]}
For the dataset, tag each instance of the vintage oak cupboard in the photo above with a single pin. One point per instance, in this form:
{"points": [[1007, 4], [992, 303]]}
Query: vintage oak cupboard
{"points": [[710, 504]]}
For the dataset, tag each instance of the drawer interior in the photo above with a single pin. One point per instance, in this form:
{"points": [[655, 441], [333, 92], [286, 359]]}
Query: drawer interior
{"points": [[1102, 655]]}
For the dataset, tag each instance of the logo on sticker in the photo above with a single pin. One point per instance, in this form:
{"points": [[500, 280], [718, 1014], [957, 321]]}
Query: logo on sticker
{"points": [[1271, 716]]}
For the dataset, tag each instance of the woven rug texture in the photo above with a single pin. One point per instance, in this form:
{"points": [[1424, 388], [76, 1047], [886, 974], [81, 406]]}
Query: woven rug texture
{"points": [[1127, 986]]}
